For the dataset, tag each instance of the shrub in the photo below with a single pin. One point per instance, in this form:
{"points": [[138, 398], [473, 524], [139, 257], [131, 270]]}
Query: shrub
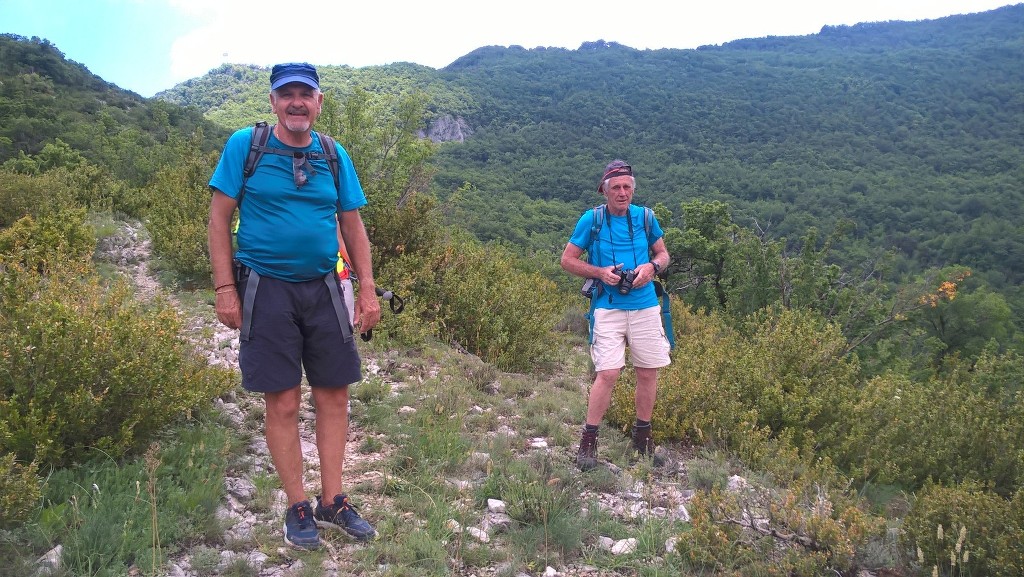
{"points": [[19, 488], [178, 214], [697, 401], [965, 530], [58, 243], [808, 528], [60, 187], [783, 372], [88, 367], [967, 424], [480, 297]]}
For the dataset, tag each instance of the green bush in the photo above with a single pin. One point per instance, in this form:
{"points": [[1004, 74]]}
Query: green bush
{"points": [[19, 488], [20, 196], [696, 399], [59, 243], [178, 214], [783, 372], [479, 297], [88, 367], [967, 424], [966, 530], [60, 187]]}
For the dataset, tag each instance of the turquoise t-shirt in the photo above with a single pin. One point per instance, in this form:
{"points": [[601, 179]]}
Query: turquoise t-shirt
{"points": [[615, 245], [287, 232]]}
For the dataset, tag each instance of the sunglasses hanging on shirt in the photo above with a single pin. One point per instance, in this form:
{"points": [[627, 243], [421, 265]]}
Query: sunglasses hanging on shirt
{"points": [[300, 162]]}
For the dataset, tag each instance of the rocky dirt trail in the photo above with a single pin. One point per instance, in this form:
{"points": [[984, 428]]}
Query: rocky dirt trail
{"points": [[249, 520]]}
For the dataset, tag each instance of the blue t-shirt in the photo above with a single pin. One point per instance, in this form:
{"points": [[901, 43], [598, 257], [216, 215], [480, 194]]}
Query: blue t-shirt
{"points": [[287, 232], [615, 245]]}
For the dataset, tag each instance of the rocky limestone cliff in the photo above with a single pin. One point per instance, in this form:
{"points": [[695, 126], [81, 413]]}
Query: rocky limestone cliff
{"points": [[447, 128]]}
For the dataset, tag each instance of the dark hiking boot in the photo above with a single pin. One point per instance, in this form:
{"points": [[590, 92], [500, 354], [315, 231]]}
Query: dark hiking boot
{"points": [[643, 446], [586, 456]]}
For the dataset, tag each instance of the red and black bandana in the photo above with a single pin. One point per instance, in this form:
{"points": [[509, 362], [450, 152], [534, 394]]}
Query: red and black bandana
{"points": [[615, 168]]}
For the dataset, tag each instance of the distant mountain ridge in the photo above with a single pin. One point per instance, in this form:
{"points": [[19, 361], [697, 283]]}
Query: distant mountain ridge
{"points": [[909, 131], [45, 98]]}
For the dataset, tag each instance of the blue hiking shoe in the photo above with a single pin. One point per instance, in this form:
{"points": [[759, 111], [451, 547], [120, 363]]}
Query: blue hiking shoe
{"points": [[300, 529], [342, 515]]}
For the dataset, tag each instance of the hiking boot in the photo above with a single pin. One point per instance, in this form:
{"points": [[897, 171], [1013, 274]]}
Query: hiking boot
{"points": [[299, 527], [643, 445], [586, 456], [342, 515]]}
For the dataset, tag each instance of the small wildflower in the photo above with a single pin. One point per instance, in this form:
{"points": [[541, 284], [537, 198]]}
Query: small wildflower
{"points": [[920, 556], [939, 534], [967, 556]]}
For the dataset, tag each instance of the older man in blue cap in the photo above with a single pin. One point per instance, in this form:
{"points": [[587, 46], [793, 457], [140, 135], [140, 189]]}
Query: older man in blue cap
{"points": [[296, 321]]}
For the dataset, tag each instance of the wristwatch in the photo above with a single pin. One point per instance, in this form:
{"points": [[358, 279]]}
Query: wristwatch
{"points": [[657, 268]]}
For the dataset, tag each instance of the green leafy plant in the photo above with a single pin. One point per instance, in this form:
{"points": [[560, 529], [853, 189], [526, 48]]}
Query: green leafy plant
{"points": [[90, 367], [19, 489], [965, 530]]}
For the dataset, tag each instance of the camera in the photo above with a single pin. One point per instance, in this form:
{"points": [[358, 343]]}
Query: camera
{"points": [[591, 287], [626, 278]]}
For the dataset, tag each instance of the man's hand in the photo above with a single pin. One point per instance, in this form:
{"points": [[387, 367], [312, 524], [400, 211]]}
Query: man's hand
{"points": [[610, 275], [229, 309], [367, 310]]}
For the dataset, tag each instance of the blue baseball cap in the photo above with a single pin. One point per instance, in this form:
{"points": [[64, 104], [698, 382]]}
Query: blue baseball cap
{"points": [[302, 72]]}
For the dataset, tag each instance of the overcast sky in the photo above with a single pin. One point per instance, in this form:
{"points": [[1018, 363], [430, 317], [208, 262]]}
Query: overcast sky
{"points": [[151, 45]]}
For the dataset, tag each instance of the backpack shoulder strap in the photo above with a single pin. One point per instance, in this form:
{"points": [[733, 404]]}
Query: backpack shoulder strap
{"points": [[260, 136], [595, 231], [257, 146], [597, 223], [648, 222], [331, 155]]}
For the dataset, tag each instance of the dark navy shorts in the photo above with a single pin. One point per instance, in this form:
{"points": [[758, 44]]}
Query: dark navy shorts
{"points": [[294, 326]]}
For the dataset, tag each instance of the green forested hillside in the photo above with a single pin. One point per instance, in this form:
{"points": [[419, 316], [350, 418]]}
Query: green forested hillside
{"points": [[235, 95], [844, 215], [912, 131], [909, 135], [45, 98]]}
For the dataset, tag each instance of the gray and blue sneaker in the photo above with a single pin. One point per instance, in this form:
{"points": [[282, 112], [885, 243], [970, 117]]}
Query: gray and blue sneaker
{"points": [[342, 515], [300, 530]]}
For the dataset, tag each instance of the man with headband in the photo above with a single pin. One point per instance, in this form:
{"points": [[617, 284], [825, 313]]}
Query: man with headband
{"points": [[625, 252]]}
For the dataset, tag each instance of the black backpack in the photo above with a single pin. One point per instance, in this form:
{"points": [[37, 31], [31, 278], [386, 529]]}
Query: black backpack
{"points": [[258, 147]]}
